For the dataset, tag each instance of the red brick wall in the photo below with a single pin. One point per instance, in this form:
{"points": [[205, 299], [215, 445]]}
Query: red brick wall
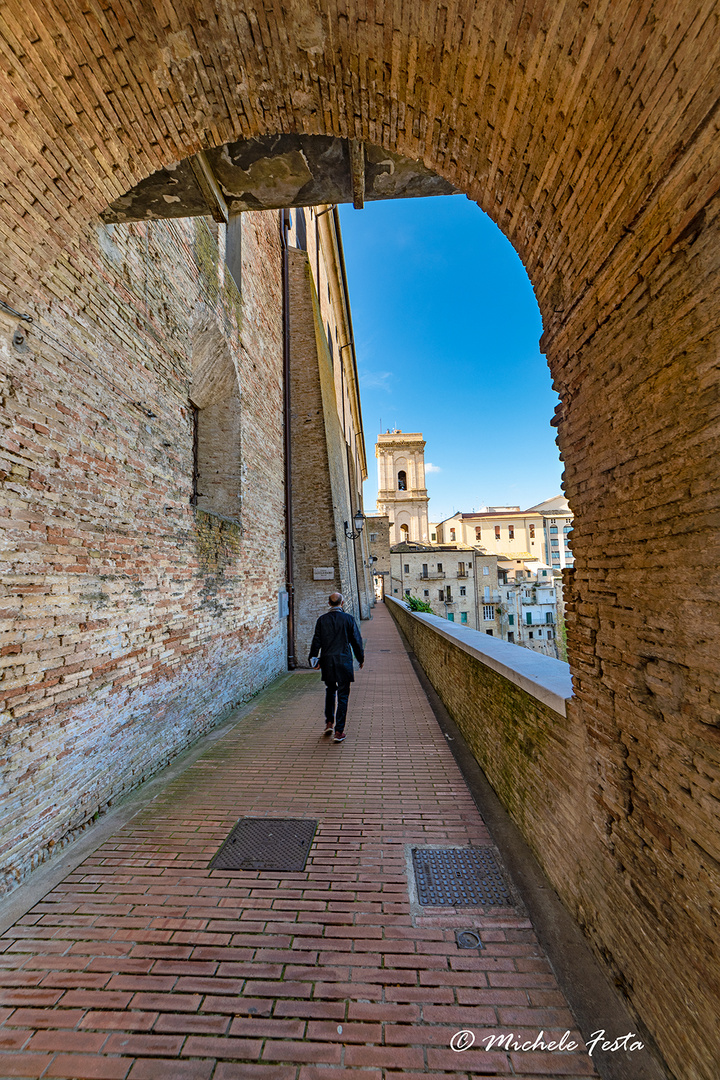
{"points": [[131, 623]]}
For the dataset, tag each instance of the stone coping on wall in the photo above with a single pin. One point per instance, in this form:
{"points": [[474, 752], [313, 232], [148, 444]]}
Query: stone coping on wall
{"points": [[541, 676]]}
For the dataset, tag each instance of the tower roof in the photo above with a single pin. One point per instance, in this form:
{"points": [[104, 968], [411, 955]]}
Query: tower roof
{"points": [[395, 440], [397, 433]]}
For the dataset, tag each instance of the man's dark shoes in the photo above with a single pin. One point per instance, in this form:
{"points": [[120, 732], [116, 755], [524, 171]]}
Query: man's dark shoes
{"points": [[328, 728], [339, 736]]}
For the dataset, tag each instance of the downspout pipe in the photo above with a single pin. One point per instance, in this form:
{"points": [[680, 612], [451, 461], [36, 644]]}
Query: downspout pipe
{"points": [[284, 226], [355, 539]]}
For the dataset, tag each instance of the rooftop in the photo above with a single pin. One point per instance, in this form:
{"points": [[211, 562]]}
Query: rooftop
{"points": [[400, 436]]}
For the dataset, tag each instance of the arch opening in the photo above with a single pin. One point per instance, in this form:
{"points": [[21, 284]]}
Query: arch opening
{"points": [[598, 159]]}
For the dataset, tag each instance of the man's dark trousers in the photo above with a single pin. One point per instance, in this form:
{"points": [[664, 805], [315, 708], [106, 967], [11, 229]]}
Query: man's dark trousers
{"points": [[337, 681]]}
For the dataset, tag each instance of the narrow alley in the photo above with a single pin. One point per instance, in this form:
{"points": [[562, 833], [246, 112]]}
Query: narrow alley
{"points": [[144, 963]]}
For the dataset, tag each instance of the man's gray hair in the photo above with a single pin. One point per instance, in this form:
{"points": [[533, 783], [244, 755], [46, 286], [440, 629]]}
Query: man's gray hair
{"points": [[335, 599]]}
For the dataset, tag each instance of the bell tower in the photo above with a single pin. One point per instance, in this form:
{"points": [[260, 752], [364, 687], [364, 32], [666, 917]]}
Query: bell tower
{"points": [[401, 485]]}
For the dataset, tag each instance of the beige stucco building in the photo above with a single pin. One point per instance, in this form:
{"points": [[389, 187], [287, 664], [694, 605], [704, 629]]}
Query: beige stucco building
{"points": [[402, 494], [540, 533]]}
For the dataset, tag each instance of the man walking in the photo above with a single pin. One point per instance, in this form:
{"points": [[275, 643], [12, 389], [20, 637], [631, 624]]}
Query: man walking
{"points": [[336, 638]]}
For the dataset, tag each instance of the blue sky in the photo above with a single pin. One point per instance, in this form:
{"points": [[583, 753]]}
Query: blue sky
{"points": [[446, 334]]}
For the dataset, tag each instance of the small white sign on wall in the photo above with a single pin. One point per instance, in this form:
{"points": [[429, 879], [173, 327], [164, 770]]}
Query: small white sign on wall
{"points": [[323, 573]]}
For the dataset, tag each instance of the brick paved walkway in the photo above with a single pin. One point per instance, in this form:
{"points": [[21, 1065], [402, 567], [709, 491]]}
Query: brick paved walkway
{"points": [[142, 963]]}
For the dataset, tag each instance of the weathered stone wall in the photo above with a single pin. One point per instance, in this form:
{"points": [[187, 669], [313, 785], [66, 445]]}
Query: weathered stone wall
{"points": [[131, 621], [589, 133]]}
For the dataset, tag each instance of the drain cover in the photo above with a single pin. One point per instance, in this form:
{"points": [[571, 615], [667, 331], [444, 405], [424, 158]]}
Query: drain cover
{"points": [[468, 939], [459, 876], [266, 844]]}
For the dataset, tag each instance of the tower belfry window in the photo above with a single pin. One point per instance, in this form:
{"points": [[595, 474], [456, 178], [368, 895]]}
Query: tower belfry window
{"points": [[402, 480]]}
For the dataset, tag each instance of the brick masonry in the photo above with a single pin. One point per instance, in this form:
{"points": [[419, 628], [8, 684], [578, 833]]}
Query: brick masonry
{"points": [[132, 621], [589, 133], [319, 465]]}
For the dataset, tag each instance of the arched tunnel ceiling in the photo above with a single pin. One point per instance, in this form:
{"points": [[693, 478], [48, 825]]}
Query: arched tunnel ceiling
{"points": [[275, 171]]}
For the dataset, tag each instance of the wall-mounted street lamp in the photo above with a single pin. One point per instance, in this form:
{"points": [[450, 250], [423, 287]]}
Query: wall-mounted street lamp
{"points": [[358, 522]]}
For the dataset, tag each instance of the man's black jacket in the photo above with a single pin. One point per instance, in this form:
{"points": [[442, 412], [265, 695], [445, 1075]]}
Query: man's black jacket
{"points": [[335, 640]]}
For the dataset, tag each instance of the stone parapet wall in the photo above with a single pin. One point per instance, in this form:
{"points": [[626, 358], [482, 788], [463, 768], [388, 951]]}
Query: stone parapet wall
{"points": [[543, 763], [511, 726]]}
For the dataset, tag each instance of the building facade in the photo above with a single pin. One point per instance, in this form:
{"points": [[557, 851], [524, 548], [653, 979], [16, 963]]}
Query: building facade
{"points": [[402, 494], [557, 526], [459, 584], [540, 533], [327, 448], [520, 603], [528, 612]]}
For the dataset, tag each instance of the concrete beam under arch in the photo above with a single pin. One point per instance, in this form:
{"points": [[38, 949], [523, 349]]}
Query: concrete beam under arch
{"points": [[275, 171]]}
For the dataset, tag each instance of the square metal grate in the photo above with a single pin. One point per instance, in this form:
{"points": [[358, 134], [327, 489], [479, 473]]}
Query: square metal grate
{"points": [[266, 844], [459, 876]]}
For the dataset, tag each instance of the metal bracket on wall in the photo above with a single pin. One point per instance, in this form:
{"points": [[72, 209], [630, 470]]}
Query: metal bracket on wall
{"points": [[357, 172], [210, 188], [18, 314]]}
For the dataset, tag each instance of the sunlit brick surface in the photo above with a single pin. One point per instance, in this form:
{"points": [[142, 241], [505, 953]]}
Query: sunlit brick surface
{"points": [[589, 133], [143, 955]]}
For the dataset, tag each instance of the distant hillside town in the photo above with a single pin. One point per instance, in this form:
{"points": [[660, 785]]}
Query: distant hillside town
{"points": [[498, 571]]}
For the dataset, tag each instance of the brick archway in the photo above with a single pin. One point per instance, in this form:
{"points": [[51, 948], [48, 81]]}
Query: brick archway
{"points": [[589, 134]]}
